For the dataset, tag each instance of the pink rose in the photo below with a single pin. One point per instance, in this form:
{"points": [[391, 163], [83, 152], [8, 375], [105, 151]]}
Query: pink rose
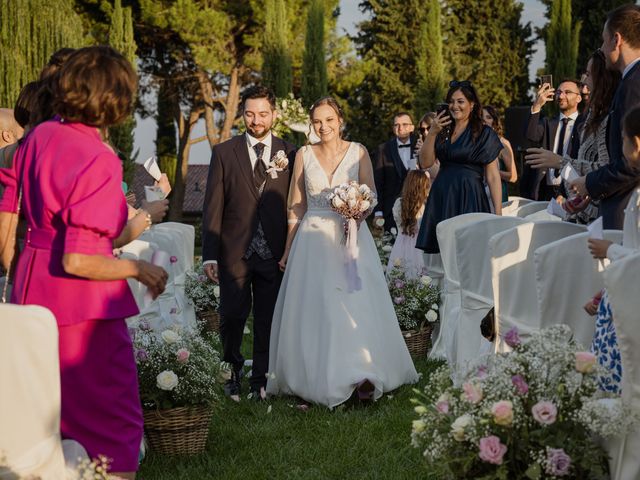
{"points": [[482, 371], [585, 361], [472, 392], [183, 355], [558, 462], [492, 450], [512, 338], [442, 407], [521, 386], [502, 412], [398, 300], [173, 259], [544, 412]]}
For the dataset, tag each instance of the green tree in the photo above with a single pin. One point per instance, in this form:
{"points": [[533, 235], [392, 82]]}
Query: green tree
{"points": [[276, 66], [430, 64], [562, 38], [30, 31], [166, 133], [487, 43], [314, 66], [121, 38]]}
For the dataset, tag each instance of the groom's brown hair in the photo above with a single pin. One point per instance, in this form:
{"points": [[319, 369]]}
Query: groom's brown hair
{"points": [[259, 91]]}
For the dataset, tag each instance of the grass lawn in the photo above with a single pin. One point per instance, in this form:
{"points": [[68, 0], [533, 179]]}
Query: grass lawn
{"points": [[247, 442]]}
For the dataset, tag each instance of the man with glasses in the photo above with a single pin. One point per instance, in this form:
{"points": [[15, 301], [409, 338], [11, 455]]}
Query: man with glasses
{"points": [[391, 163], [560, 135]]}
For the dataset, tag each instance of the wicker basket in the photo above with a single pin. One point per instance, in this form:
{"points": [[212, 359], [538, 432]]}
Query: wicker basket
{"points": [[418, 341], [211, 320], [178, 431]]}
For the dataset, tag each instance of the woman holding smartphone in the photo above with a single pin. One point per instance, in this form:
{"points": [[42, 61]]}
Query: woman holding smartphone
{"points": [[467, 158]]}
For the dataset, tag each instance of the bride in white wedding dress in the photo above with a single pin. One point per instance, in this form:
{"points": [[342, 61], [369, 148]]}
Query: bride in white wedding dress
{"points": [[325, 341]]}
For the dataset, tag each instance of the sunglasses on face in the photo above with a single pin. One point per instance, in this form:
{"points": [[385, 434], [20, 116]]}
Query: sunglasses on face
{"points": [[423, 129], [456, 83]]}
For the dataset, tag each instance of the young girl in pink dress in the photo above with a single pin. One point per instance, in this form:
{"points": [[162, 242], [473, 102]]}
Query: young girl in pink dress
{"points": [[75, 209], [407, 213]]}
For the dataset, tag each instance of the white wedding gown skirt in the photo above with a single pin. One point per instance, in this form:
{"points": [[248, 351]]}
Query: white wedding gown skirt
{"points": [[325, 340]]}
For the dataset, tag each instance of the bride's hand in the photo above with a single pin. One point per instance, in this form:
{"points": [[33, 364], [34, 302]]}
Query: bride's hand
{"points": [[282, 264]]}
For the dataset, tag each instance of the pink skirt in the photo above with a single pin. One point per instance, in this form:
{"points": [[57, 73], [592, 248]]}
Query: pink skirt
{"points": [[100, 401]]}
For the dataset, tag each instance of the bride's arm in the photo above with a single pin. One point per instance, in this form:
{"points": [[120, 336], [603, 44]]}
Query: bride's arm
{"points": [[297, 205], [365, 173]]}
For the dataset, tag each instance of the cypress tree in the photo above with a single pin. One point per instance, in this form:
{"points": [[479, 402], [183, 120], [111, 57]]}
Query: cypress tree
{"points": [[430, 64], [30, 31], [276, 68], [562, 39], [314, 67], [166, 133], [121, 38]]}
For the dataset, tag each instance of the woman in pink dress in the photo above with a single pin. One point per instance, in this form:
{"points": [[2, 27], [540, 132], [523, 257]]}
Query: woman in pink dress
{"points": [[75, 209]]}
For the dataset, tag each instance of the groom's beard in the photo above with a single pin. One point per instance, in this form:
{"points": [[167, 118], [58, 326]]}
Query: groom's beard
{"points": [[258, 131]]}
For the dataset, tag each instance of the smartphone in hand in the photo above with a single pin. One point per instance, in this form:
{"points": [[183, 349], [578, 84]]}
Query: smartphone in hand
{"points": [[444, 107], [546, 79]]}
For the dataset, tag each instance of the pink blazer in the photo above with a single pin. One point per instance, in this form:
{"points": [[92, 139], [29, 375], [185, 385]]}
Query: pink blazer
{"points": [[73, 203]]}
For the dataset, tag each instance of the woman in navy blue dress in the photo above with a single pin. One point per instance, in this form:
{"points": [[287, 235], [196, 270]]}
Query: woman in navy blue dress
{"points": [[467, 158]]}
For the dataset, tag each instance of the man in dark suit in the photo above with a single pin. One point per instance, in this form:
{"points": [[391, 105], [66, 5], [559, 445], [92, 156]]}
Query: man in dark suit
{"points": [[391, 163], [560, 135], [244, 229], [613, 183]]}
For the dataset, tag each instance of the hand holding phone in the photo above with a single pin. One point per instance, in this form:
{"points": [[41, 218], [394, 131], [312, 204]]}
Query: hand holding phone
{"points": [[442, 112]]}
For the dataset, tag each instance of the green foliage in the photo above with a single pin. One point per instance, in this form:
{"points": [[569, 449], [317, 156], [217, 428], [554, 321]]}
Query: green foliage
{"points": [[562, 38], [166, 134], [430, 63], [314, 68], [30, 31], [276, 66]]}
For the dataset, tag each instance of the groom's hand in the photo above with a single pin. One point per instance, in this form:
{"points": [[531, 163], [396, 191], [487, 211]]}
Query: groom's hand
{"points": [[211, 271]]}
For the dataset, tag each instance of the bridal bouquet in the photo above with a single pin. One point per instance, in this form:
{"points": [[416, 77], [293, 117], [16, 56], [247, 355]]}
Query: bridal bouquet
{"points": [[353, 202], [532, 413], [176, 368], [415, 300]]}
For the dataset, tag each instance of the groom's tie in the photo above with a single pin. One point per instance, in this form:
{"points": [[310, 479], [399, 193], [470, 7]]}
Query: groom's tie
{"points": [[259, 170]]}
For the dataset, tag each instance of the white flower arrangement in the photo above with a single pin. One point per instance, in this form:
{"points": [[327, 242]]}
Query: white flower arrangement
{"points": [[201, 292], [413, 298], [532, 413], [177, 368], [292, 116], [278, 163]]}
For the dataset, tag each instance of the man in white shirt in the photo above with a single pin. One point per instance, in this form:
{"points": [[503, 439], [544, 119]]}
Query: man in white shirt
{"points": [[560, 135], [391, 163]]}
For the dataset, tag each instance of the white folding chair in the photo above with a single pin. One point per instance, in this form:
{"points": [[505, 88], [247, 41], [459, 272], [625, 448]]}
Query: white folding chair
{"points": [[567, 276], [529, 208], [513, 274], [621, 281], [177, 239], [450, 308], [512, 204], [542, 216], [138, 250], [476, 290], [30, 399]]}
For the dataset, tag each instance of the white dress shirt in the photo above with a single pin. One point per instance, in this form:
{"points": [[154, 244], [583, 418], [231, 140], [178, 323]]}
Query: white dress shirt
{"points": [[408, 160], [629, 67], [551, 178]]}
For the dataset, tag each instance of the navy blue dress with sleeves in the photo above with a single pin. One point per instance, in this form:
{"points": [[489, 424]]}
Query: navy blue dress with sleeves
{"points": [[459, 186]]}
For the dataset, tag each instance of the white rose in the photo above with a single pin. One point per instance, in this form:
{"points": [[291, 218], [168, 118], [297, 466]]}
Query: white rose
{"points": [[337, 202], [397, 262], [431, 316], [394, 231], [352, 203], [284, 104], [387, 248], [364, 189], [352, 193], [364, 205], [434, 306], [458, 426], [426, 279], [167, 380], [170, 336], [379, 222], [419, 426], [216, 290]]}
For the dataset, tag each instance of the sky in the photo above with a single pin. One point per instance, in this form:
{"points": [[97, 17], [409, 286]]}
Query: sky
{"points": [[350, 15]]}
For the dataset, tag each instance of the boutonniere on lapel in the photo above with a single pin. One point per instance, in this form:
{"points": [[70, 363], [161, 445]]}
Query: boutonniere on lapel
{"points": [[278, 163]]}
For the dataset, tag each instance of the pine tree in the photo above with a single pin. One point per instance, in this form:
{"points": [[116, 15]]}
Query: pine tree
{"points": [[30, 31], [314, 67], [430, 64], [276, 68], [121, 38], [562, 40]]}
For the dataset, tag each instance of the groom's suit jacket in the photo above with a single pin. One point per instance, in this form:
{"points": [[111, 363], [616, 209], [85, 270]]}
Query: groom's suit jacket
{"points": [[233, 206]]}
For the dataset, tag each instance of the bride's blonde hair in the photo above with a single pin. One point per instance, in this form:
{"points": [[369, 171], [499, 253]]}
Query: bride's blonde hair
{"points": [[331, 102]]}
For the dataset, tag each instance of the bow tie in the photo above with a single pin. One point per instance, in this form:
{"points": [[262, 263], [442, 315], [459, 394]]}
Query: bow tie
{"points": [[404, 145]]}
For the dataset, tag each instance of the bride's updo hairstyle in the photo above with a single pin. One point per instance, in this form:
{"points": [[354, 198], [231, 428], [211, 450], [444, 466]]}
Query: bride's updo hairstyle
{"points": [[331, 102]]}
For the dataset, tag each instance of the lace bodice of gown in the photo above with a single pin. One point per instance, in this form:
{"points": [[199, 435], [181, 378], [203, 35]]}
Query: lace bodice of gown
{"points": [[318, 185]]}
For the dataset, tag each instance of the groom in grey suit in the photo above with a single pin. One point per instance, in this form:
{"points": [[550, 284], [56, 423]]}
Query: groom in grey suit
{"points": [[244, 229]]}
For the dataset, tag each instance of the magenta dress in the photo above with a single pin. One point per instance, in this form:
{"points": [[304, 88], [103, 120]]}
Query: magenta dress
{"points": [[73, 203]]}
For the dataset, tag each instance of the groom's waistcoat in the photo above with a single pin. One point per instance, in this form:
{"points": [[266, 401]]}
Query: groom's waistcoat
{"points": [[238, 218]]}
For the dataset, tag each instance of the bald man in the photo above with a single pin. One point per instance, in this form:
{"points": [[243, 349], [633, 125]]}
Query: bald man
{"points": [[10, 131]]}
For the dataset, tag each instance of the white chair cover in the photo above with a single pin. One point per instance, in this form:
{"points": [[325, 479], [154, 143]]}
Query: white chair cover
{"points": [[621, 281], [542, 216], [138, 250], [30, 399], [529, 208], [433, 264], [511, 205], [513, 274], [567, 276], [450, 299], [476, 290], [177, 239]]}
